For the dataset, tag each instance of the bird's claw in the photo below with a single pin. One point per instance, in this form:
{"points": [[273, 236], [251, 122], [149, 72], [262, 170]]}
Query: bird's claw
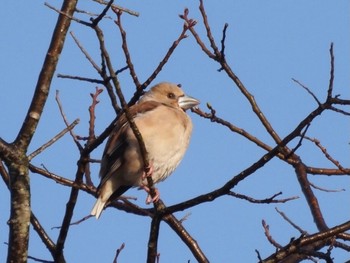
{"points": [[149, 172], [149, 198]]}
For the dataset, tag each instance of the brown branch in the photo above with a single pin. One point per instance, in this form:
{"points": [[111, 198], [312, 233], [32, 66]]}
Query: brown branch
{"points": [[310, 170], [92, 107], [331, 74], [326, 190], [225, 67], [163, 61], [222, 51], [300, 170], [103, 13], [18, 168], [208, 197], [83, 168], [196, 36], [327, 171], [186, 238], [126, 49], [85, 52], [69, 210], [33, 220], [268, 200], [59, 103], [326, 154], [64, 76], [91, 136], [209, 34], [307, 243], [42, 234], [118, 252], [126, 10], [268, 235], [71, 17], [308, 90], [302, 232], [100, 71], [53, 140], [152, 251]]}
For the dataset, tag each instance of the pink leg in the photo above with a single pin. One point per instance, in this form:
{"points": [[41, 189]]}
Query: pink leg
{"points": [[149, 199], [149, 173]]}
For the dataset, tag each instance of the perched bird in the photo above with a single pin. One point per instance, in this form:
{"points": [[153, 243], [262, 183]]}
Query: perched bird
{"points": [[165, 128]]}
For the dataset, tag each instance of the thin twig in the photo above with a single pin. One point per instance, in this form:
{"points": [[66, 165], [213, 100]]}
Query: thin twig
{"points": [[64, 76], [53, 140], [308, 90], [59, 103], [331, 77], [67, 15], [102, 15], [209, 34], [268, 200], [327, 190], [285, 217], [126, 49], [126, 10], [74, 223], [89, 13], [165, 58], [103, 73], [268, 235], [199, 41], [325, 152], [84, 51], [118, 252], [291, 153]]}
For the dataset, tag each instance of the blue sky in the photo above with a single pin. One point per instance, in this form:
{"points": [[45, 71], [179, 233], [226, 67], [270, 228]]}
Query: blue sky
{"points": [[268, 43]]}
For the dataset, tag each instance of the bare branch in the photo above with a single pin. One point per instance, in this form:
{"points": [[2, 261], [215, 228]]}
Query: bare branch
{"points": [[268, 235], [263, 201], [126, 49], [57, 97], [126, 10], [118, 252], [53, 140], [331, 78], [326, 154], [302, 232], [308, 90]]}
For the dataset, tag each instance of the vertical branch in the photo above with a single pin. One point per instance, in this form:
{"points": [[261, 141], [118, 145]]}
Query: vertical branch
{"points": [[153, 240], [311, 199], [18, 166], [126, 49], [186, 238], [69, 212], [331, 78]]}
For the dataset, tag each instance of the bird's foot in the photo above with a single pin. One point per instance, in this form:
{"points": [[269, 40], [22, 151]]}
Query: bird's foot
{"points": [[149, 172], [149, 198]]}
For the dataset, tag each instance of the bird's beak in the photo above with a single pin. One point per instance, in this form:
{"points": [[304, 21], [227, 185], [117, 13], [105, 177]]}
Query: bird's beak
{"points": [[187, 102]]}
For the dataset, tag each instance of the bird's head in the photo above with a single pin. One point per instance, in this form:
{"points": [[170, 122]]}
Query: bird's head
{"points": [[170, 94]]}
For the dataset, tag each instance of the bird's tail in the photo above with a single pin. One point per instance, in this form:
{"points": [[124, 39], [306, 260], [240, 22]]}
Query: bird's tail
{"points": [[98, 208]]}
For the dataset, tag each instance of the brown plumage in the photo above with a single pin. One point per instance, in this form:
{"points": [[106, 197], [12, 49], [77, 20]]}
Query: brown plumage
{"points": [[165, 128]]}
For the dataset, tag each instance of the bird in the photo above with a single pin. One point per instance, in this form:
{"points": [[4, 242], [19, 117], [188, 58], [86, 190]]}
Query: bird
{"points": [[160, 116]]}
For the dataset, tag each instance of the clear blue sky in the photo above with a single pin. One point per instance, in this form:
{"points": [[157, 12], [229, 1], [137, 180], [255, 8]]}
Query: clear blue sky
{"points": [[268, 43]]}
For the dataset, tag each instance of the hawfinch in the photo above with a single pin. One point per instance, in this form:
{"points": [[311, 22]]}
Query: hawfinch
{"points": [[165, 128]]}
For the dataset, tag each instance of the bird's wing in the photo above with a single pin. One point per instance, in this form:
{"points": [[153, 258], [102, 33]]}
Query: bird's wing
{"points": [[113, 156]]}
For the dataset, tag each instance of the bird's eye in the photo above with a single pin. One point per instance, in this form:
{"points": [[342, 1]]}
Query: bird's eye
{"points": [[171, 95]]}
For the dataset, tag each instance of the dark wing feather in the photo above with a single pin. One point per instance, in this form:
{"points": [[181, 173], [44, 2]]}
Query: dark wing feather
{"points": [[117, 143]]}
